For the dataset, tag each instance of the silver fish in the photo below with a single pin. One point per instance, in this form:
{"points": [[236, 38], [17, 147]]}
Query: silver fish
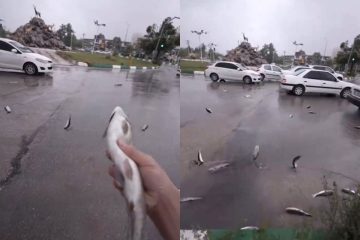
{"points": [[357, 127], [200, 160], [294, 161], [291, 116], [119, 128], [250, 228], [256, 152], [144, 127], [348, 191], [68, 123], [208, 110], [190, 199], [218, 167], [297, 211], [7, 109], [308, 107], [118, 85], [312, 112], [323, 193], [248, 96]]}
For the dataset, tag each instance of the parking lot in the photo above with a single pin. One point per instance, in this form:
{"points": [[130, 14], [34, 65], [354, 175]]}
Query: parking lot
{"points": [[247, 115], [54, 183]]}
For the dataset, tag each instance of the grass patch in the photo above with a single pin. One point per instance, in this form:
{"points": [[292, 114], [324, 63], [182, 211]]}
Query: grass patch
{"points": [[101, 59], [191, 66]]}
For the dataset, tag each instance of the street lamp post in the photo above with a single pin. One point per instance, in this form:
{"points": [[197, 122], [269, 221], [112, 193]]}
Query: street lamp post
{"points": [[212, 47], [97, 31], [199, 33]]}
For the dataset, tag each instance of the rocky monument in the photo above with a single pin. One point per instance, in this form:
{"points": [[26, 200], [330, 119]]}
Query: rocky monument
{"points": [[37, 34], [245, 54]]}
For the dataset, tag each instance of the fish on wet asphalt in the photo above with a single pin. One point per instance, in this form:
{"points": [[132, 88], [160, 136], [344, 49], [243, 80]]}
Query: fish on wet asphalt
{"points": [[312, 112], [200, 159], [357, 127], [349, 191], [256, 152], [291, 116], [208, 110], [308, 107], [7, 109], [190, 199], [254, 228], [323, 193], [144, 127], [118, 85], [294, 162], [68, 123], [297, 211], [218, 167]]}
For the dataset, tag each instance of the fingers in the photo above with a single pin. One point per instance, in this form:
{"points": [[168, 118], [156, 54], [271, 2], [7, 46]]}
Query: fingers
{"points": [[139, 157]]}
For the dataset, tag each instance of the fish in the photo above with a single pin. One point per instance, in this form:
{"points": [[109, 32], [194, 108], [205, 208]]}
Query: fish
{"points": [[144, 127], [348, 191], [218, 167], [248, 96], [118, 85], [7, 109], [308, 107], [297, 211], [119, 128], [225, 90], [256, 152], [323, 193], [294, 161], [312, 112], [200, 159], [250, 228], [357, 127], [68, 123], [208, 110], [190, 199], [291, 116]]}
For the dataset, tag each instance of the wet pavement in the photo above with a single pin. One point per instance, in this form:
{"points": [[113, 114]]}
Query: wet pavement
{"points": [[248, 115], [58, 186]]}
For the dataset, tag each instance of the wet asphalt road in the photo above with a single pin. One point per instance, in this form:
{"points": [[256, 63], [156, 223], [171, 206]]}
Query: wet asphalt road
{"points": [[60, 188], [242, 194]]}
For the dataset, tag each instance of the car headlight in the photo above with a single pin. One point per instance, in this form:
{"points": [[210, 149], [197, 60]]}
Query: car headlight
{"points": [[41, 60]]}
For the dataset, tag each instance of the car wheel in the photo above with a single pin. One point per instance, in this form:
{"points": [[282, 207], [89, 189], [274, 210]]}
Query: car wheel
{"points": [[345, 93], [262, 77], [298, 90], [247, 80], [214, 77], [30, 69]]}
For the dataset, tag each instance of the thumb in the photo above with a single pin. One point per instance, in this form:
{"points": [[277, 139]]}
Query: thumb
{"points": [[140, 158]]}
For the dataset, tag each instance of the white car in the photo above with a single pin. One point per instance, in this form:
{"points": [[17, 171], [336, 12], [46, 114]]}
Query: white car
{"points": [[15, 56], [354, 96], [294, 70], [317, 81], [270, 72], [231, 71], [329, 69]]}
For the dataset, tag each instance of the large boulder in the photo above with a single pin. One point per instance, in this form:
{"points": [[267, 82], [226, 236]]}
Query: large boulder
{"points": [[37, 34], [245, 54]]}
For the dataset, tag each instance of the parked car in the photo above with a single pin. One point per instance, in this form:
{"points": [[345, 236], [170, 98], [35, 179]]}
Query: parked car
{"points": [[231, 71], [329, 69], [317, 81], [270, 72], [294, 70], [354, 96], [15, 56]]}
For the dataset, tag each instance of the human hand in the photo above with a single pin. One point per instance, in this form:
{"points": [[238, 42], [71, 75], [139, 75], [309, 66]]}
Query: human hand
{"points": [[162, 198]]}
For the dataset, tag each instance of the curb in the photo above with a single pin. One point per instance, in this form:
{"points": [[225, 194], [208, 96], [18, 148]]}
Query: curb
{"points": [[199, 72], [83, 64]]}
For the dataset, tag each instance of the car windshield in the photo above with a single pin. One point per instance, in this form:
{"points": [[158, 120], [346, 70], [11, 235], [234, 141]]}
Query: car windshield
{"points": [[299, 72], [21, 47]]}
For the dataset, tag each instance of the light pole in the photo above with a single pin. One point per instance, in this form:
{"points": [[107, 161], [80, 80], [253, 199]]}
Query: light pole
{"points": [[166, 21], [127, 29], [199, 33], [212, 47], [296, 44], [71, 37], [96, 22]]}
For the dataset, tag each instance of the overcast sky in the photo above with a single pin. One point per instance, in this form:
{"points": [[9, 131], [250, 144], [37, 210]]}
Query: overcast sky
{"points": [[278, 21], [82, 13]]}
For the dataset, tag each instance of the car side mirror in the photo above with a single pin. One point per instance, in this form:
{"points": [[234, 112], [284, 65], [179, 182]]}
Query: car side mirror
{"points": [[14, 50], [239, 69], [338, 78]]}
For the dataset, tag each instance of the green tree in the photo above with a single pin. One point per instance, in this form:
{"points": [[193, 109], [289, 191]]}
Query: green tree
{"points": [[2, 31], [65, 32], [116, 42], [316, 58], [269, 53], [348, 52]]}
